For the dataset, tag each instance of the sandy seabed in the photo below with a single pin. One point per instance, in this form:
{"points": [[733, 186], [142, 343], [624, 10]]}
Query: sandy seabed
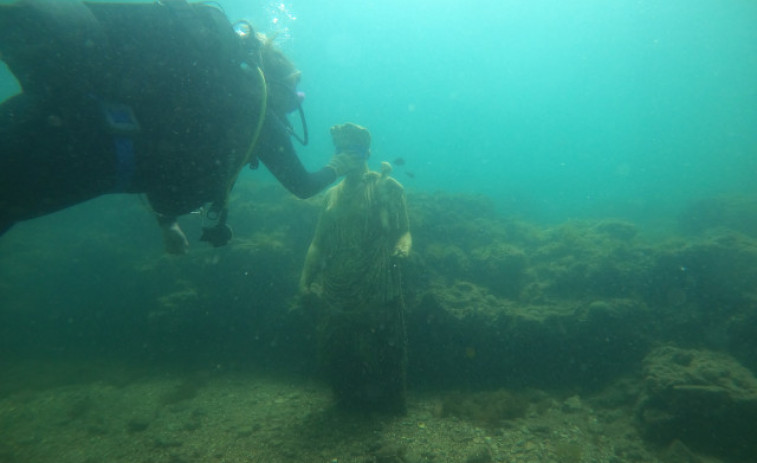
{"points": [[72, 413]]}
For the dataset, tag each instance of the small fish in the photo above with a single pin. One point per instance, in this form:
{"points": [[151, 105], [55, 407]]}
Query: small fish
{"points": [[399, 162], [410, 174]]}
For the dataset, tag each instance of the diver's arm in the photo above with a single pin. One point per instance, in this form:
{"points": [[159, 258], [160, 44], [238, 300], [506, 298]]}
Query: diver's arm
{"points": [[278, 154]]}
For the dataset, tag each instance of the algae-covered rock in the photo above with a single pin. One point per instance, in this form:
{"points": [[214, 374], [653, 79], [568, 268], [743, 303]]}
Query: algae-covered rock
{"points": [[617, 229], [742, 342], [579, 260], [704, 292], [720, 269], [465, 335], [732, 212], [447, 259], [706, 400], [500, 266], [677, 452]]}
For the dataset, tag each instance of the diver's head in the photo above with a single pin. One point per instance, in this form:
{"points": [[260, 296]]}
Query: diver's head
{"points": [[283, 96], [282, 78]]}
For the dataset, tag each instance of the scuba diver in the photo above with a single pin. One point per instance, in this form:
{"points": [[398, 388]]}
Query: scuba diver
{"points": [[351, 278], [166, 99]]}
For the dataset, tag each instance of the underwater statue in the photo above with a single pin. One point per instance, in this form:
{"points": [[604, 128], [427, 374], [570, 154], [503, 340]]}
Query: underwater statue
{"points": [[352, 277]]}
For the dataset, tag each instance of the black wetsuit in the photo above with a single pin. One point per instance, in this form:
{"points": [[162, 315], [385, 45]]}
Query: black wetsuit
{"points": [[179, 73]]}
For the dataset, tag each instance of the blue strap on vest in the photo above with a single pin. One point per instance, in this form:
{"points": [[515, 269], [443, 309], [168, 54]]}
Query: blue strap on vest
{"points": [[122, 123], [125, 165]]}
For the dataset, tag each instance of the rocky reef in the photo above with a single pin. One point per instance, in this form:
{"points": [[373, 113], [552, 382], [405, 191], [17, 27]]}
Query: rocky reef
{"points": [[494, 303]]}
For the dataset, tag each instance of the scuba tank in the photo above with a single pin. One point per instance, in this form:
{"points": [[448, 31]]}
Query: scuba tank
{"points": [[51, 44]]}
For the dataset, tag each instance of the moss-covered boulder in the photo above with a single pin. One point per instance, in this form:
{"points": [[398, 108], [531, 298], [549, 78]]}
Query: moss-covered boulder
{"points": [[705, 399], [502, 267], [737, 213], [463, 335]]}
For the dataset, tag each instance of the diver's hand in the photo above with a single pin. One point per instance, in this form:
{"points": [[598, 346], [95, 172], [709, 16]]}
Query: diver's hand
{"points": [[343, 163], [174, 239], [351, 138]]}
